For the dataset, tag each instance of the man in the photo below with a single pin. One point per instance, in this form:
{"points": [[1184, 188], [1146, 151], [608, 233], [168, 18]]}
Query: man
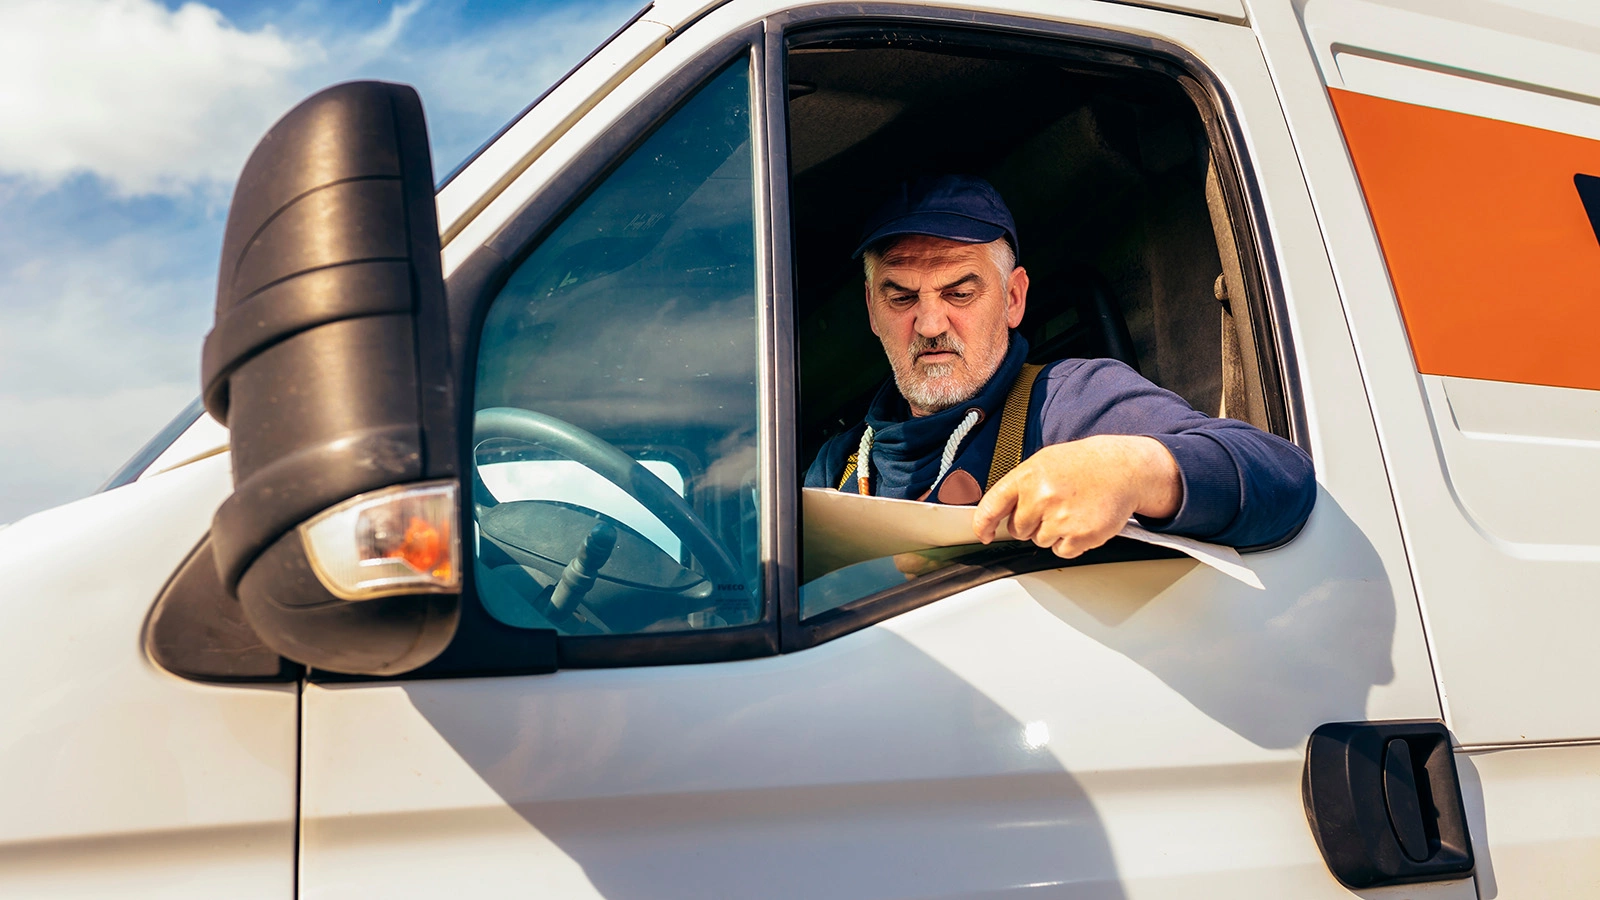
{"points": [[1100, 443]]}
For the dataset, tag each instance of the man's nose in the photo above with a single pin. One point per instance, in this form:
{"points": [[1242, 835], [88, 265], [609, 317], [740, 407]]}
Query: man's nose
{"points": [[931, 317]]}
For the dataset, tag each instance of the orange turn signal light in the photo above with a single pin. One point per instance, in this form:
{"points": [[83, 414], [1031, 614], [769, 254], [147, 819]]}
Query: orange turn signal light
{"points": [[423, 547], [399, 540]]}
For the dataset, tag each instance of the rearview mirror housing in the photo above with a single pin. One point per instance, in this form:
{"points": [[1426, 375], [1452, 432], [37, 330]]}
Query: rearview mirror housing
{"points": [[329, 363]]}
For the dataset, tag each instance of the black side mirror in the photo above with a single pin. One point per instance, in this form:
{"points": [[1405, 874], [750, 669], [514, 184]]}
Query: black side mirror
{"points": [[329, 363]]}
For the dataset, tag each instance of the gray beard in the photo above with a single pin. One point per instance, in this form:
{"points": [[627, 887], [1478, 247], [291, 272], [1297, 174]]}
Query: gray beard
{"points": [[935, 388]]}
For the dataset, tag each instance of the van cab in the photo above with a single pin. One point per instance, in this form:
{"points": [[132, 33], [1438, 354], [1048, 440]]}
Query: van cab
{"points": [[485, 572]]}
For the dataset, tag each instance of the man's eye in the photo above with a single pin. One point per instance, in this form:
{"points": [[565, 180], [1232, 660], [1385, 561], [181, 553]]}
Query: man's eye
{"points": [[902, 299], [960, 296]]}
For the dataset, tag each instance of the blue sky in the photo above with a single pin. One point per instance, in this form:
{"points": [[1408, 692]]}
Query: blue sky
{"points": [[122, 126]]}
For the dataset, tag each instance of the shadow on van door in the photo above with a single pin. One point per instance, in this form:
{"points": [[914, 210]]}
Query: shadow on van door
{"points": [[1271, 665], [861, 768], [883, 764]]}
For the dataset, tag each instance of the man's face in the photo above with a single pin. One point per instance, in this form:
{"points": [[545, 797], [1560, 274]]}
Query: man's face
{"points": [[943, 310]]}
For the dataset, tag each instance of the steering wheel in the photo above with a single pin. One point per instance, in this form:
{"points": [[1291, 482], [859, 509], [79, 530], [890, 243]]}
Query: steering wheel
{"points": [[618, 468]]}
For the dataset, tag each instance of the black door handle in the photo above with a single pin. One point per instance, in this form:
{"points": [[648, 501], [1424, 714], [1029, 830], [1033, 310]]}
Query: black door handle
{"points": [[1385, 804], [1405, 804]]}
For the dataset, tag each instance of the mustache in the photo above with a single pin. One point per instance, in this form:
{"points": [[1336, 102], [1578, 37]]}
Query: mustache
{"points": [[939, 343]]}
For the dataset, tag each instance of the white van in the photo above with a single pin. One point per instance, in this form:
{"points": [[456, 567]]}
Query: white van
{"points": [[498, 589]]}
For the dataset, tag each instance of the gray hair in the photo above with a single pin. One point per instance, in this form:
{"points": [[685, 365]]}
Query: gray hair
{"points": [[1000, 253]]}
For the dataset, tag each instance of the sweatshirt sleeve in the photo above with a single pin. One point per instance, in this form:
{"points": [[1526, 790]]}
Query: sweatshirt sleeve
{"points": [[1241, 486]]}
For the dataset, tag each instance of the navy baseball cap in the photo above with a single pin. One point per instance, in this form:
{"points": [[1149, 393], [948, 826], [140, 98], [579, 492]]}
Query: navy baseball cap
{"points": [[954, 207]]}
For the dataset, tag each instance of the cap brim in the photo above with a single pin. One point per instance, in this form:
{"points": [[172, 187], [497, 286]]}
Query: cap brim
{"points": [[950, 226]]}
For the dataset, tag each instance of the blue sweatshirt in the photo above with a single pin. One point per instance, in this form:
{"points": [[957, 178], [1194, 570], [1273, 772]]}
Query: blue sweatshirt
{"points": [[1241, 486]]}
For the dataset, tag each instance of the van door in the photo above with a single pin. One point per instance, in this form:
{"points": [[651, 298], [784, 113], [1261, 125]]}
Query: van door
{"points": [[1107, 728], [1454, 175]]}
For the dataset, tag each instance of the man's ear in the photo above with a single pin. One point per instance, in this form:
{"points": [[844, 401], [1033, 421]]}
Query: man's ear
{"points": [[1016, 297], [871, 322]]}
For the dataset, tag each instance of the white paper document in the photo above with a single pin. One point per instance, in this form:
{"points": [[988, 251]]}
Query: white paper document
{"points": [[844, 529]]}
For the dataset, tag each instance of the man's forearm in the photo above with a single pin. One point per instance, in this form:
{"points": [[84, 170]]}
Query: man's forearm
{"points": [[1158, 476]]}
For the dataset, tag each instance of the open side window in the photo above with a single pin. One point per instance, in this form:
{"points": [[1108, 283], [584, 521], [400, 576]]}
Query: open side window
{"points": [[1118, 165]]}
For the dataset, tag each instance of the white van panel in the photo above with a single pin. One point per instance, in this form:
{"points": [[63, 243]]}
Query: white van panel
{"points": [[1080, 733], [1524, 461], [1465, 92], [1523, 65], [1537, 831], [1531, 413], [118, 779]]}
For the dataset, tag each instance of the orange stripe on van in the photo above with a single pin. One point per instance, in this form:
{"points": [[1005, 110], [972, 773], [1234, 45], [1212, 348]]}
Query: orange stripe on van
{"points": [[1492, 254]]}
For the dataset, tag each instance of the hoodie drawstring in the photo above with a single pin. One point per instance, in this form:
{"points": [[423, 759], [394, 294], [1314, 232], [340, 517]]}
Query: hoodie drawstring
{"points": [[946, 460]]}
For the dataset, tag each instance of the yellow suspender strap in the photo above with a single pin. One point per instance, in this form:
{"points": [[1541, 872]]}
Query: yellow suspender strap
{"points": [[1013, 426], [849, 469]]}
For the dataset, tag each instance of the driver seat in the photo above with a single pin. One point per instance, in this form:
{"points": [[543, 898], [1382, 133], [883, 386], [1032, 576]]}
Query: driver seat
{"points": [[1081, 320]]}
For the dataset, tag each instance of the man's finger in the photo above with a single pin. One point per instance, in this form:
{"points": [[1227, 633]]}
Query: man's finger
{"points": [[1049, 532], [1071, 545], [993, 509], [1027, 518], [1066, 548]]}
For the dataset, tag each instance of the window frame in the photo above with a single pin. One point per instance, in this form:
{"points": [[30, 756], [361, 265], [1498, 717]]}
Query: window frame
{"points": [[1264, 291]]}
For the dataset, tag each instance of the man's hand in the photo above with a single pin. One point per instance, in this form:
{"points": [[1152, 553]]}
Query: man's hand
{"points": [[1075, 496]]}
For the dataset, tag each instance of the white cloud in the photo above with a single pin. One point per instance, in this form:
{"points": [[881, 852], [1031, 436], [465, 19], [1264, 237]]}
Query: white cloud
{"points": [[383, 38], [107, 282], [161, 101], [150, 99]]}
